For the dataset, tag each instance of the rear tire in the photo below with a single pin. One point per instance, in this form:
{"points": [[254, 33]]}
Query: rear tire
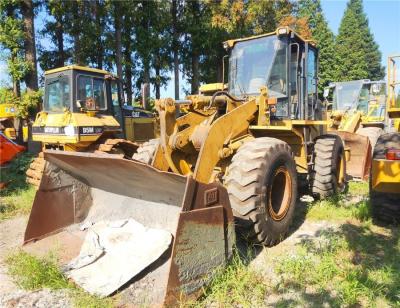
{"points": [[385, 206], [262, 186], [329, 170], [145, 153]]}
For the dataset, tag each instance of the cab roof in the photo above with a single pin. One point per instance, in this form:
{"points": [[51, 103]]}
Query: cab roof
{"points": [[77, 67], [278, 31]]}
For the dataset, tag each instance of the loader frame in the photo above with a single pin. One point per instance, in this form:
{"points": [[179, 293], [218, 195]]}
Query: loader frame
{"points": [[201, 142]]}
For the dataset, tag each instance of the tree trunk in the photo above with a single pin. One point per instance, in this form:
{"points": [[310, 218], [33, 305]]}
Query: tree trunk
{"points": [[31, 78], [60, 41], [175, 47], [195, 72], [76, 15], [157, 68], [146, 85], [99, 31], [118, 43], [128, 74]]}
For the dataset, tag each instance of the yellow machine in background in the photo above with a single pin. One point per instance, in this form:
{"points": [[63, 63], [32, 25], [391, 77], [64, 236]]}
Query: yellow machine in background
{"points": [[82, 111], [8, 115], [356, 112], [385, 172], [242, 150]]}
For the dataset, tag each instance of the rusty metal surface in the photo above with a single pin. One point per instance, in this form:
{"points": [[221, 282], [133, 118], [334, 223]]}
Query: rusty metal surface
{"points": [[203, 242], [360, 154], [120, 176], [82, 187]]}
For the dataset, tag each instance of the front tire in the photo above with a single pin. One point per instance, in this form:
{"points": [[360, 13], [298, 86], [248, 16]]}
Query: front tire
{"points": [[262, 186]]}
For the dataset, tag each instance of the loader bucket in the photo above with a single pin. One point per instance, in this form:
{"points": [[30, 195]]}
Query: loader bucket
{"points": [[360, 154], [79, 189]]}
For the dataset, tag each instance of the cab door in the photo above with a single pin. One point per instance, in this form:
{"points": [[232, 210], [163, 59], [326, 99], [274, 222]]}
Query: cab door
{"points": [[312, 108], [116, 105]]}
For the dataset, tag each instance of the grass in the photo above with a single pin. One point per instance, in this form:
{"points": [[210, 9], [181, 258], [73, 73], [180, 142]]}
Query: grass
{"points": [[32, 273], [18, 196], [233, 286], [353, 205], [356, 264]]}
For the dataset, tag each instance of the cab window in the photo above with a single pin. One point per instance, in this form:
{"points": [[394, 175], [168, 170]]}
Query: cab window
{"points": [[114, 94], [91, 93], [311, 82], [57, 94]]}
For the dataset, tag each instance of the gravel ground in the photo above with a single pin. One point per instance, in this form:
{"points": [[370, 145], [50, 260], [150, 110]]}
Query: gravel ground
{"points": [[11, 234], [41, 299]]}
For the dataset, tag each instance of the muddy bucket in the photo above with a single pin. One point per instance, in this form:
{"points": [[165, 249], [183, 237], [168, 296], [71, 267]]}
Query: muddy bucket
{"points": [[81, 192], [360, 154]]}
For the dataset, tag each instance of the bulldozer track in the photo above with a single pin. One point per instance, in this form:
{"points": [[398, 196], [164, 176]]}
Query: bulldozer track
{"points": [[123, 147], [118, 146]]}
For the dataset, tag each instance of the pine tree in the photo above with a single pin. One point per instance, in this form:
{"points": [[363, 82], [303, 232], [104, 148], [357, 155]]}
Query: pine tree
{"points": [[371, 49], [323, 37], [357, 54]]}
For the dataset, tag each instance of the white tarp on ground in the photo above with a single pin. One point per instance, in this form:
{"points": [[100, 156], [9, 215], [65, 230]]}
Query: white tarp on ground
{"points": [[115, 252]]}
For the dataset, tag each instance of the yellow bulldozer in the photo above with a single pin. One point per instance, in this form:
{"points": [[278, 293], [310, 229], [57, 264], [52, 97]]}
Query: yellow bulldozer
{"points": [[83, 111], [385, 171], [232, 158], [356, 112]]}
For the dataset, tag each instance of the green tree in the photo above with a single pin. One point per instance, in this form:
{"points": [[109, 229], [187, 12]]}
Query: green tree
{"points": [[12, 41], [55, 29], [357, 54], [323, 37]]}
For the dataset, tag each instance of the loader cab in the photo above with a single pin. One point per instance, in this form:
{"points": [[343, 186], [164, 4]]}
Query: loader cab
{"points": [[285, 64], [368, 97], [81, 89]]}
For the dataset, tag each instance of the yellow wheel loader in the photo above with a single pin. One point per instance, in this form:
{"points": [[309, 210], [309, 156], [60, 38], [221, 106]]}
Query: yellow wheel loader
{"points": [[8, 115], [356, 112], [83, 111], [233, 155], [385, 171]]}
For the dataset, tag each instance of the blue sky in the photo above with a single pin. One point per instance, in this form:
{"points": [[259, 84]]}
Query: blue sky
{"points": [[384, 22]]}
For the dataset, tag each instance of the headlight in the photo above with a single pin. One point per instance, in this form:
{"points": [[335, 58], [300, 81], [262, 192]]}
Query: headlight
{"points": [[69, 130]]}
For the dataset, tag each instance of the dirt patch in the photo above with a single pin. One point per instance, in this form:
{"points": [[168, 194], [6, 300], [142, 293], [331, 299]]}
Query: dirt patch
{"points": [[11, 236]]}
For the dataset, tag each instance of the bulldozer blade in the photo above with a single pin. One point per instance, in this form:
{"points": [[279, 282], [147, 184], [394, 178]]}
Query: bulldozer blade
{"points": [[84, 188], [359, 165]]}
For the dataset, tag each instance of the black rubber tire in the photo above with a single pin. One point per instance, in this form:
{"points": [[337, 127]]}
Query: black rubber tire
{"points": [[249, 181], [145, 152], [372, 133], [328, 149], [385, 206]]}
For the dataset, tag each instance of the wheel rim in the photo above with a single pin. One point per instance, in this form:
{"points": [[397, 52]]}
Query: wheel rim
{"points": [[280, 194]]}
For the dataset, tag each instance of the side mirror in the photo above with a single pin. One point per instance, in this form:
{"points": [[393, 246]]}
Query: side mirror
{"points": [[326, 92], [329, 106]]}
